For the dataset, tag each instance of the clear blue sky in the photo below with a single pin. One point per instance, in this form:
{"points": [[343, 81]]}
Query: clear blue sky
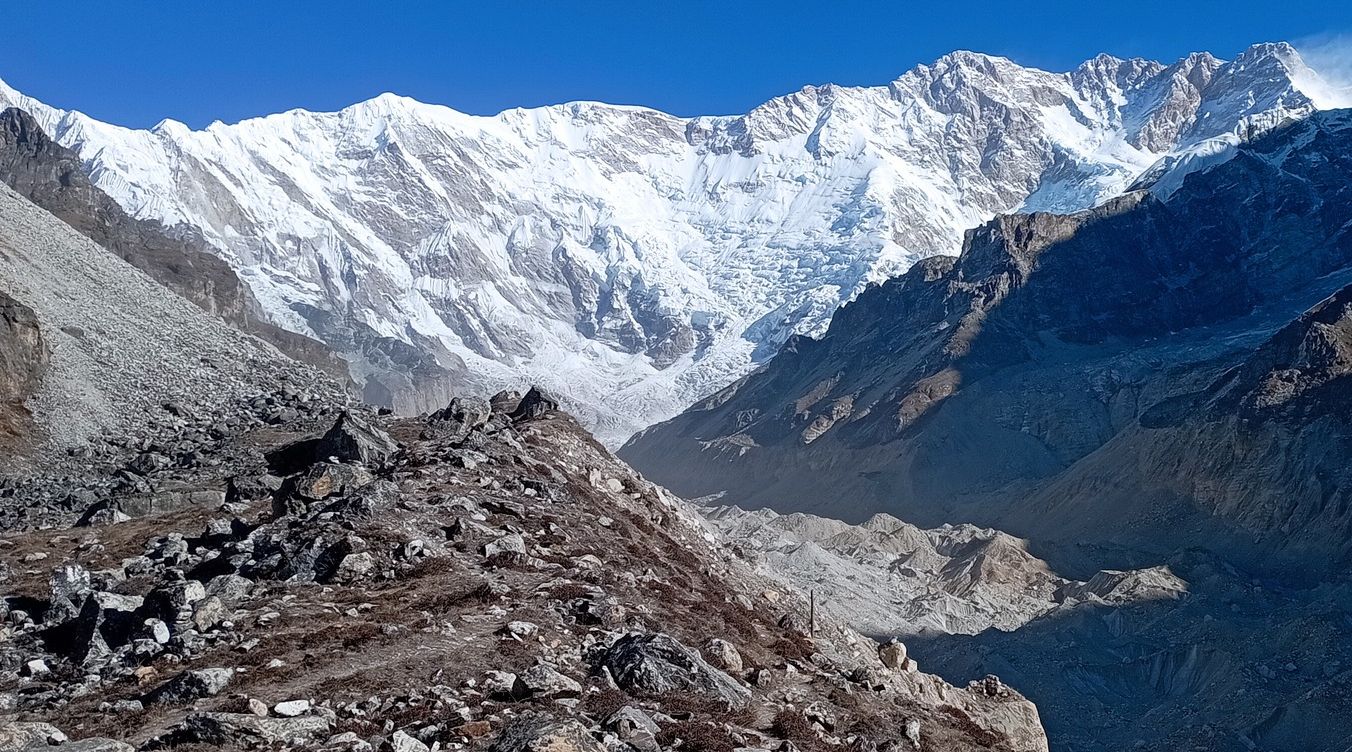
{"points": [[138, 61]]}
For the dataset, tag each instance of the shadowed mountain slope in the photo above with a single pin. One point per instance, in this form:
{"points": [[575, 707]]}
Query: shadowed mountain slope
{"points": [[1138, 376], [51, 176]]}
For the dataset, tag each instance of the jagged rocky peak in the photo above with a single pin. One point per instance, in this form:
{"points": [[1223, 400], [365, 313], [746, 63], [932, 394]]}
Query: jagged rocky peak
{"points": [[633, 261], [37, 167], [22, 131], [1106, 73]]}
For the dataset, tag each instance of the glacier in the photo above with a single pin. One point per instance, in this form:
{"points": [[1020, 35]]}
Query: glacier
{"points": [[632, 261]]}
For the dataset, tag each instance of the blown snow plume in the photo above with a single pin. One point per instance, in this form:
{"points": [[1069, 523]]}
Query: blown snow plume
{"points": [[1331, 56]]}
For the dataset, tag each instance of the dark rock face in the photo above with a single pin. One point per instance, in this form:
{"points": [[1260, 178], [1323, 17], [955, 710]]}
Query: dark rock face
{"points": [[247, 731], [23, 351], [1099, 378], [461, 417], [535, 404], [353, 439], [23, 356], [192, 685], [50, 175], [541, 733], [656, 664]]}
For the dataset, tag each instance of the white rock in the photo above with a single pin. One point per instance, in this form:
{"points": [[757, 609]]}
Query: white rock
{"points": [[912, 731], [521, 629], [512, 543], [291, 708], [402, 742], [893, 654]]}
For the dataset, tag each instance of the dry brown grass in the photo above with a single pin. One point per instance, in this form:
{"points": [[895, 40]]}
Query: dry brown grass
{"points": [[447, 601], [968, 727], [118, 725], [794, 646], [568, 591], [793, 725], [519, 654], [353, 636], [696, 736], [605, 703]]}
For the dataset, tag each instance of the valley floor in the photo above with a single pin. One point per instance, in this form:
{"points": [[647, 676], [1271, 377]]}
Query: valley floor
{"points": [[1191, 654]]}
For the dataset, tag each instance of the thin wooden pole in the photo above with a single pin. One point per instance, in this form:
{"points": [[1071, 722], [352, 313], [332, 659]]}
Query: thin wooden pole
{"points": [[812, 613]]}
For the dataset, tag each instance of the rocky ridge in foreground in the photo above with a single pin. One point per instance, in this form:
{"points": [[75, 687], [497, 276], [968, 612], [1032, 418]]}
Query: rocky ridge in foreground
{"points": [[487, 577]]}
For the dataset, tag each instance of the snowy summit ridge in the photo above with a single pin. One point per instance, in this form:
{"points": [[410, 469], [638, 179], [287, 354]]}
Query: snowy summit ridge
{"points": [[634, 261]]}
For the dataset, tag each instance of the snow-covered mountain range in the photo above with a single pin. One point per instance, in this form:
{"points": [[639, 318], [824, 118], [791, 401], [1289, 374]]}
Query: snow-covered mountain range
{"points": [[633, 261]]}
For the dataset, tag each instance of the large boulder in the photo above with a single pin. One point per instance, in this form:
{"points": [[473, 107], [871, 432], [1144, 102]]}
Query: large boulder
{"points": [[243, 489], [104, 622], [70, 587], [23, 352], [655, 664], [248, 731], [723, 655], [893, 654], [546, 681], [543, 733], [634, 727], [173, 599], [536, 403], [461, 417], [192, 685], [354, 439], [504, 402], [320, 481], [400, 741], [22, 735]]}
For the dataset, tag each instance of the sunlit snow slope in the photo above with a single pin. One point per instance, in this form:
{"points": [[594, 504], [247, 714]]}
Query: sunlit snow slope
{"points": [[633, 261]]}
